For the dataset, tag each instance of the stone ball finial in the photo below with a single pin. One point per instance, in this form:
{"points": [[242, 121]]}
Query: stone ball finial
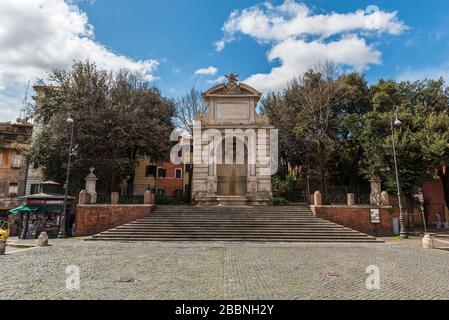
{"points": [[91, 174]]}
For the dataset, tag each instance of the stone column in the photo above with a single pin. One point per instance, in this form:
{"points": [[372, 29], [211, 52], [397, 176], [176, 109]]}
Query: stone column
{"points": [[91, 185], [212, 179], [82, 197], [317, 199], [385, 198], [115, 196], [351, 199], [148, 197], [376, 190]]}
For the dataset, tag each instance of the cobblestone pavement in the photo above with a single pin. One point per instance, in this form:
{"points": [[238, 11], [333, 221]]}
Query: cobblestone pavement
{"points": [[225, 271]]}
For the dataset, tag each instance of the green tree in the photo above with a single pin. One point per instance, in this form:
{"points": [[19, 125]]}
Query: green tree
{"points": [[310, 115], [117, 118], [422, 141]]}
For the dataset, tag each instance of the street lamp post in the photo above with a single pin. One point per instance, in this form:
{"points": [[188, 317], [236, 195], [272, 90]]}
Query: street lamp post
{"points": [[403, 228], [63, 224]]}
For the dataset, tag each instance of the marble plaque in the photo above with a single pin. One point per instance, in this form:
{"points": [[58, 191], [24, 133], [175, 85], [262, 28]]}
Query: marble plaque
{"points": [[232, 111]]}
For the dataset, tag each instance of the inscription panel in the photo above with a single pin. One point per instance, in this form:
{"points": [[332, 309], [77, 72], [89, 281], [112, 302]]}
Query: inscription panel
{"points": [[232, 111]]}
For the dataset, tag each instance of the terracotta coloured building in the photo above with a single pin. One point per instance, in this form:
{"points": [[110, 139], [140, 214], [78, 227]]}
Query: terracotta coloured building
{"points": [[14, 140], [165, 178]]}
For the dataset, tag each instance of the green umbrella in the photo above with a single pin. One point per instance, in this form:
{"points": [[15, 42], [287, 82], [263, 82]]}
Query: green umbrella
{"points": [[24, 209]]}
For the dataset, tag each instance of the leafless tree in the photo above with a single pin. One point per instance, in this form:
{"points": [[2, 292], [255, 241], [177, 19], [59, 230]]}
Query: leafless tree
{"points": [[187, 107]]}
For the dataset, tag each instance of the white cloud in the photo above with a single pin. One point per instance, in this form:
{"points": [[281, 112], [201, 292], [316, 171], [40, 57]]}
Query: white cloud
{"points": [[436, 73], [39, 35], [220, 45], [300, 39], [217, 81], [210, 71], [297, 56]]}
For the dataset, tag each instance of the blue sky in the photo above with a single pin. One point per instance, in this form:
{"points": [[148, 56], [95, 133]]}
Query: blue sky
{"points": [[172, 40]]}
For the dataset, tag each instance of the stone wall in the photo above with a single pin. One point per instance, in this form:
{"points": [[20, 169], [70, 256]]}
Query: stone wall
{"points": [[434, 199], [94, 219], [358, 218]]}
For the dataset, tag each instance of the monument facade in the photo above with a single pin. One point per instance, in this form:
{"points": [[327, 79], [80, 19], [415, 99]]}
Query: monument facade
{"points": [[235, 149]]}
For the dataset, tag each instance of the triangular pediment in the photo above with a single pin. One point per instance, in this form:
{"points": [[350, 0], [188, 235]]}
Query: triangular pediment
{"points": [[233, 88], [240, 89]]}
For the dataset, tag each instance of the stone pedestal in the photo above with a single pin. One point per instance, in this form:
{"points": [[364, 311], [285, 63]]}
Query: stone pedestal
{"points": [[317, 199], [148, 197], [115, 197], [82, 197], [385, 198], [376, 190], [351, 199], [91, 185]]}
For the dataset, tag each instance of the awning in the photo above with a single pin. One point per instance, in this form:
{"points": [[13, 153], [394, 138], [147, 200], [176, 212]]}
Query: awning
{"points": [[31, 209]]}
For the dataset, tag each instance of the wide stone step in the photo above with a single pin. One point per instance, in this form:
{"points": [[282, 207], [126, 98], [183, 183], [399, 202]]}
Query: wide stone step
{"points": [[265, 224], [272, 224], [231, 216], [246, 235], [234, 212], [171, 239], [239, 239], [233, 220], [230, 225]]}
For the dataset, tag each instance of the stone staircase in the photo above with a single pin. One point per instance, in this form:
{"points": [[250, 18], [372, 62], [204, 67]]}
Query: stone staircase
{"points": [[255, 224]]}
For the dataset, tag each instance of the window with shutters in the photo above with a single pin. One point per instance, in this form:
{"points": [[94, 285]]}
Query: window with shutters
{"points": [[16, 161], [34, 189], [161, 172], [13, 189], [151, 171], [160, 192]]}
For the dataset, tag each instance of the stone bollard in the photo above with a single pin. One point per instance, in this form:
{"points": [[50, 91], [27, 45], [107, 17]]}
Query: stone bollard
{"points": [[115, 196], [2, 247], [42, 241], [82, 197], [317, 199], [385, 198], [351, 199], [427, 242], [148, 197]]}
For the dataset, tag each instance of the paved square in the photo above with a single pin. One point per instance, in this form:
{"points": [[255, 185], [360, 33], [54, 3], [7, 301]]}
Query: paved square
{"points": [[225, 271]]}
